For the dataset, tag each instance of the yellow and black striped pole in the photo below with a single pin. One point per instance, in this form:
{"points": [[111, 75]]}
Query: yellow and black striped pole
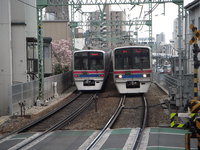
{"points": [[195, 83], [194, 104], [196, 62]]}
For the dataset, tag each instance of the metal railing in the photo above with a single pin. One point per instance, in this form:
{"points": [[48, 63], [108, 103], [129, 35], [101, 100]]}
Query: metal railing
{"points": [[171, 84], [165, 80], [27, 93]]}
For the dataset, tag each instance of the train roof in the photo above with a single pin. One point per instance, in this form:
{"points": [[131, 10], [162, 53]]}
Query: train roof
{"points": [[132, 46], [90, 50]]}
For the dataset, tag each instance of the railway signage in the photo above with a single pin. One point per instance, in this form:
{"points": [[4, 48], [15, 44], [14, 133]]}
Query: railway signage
{"points": [[196, 34]]}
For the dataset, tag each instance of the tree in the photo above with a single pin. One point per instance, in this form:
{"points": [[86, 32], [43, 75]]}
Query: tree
{"points": [[58, 69], [62, 54]]}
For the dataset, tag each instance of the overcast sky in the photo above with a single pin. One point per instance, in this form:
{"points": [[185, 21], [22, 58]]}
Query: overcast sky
{"points": [[163, 17]]}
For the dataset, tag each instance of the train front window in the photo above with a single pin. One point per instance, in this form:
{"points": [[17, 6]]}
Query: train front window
{"points": [[132, 58], [88, 61]]}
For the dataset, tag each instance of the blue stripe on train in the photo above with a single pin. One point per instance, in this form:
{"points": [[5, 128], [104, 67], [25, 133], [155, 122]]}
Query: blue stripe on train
{"points": [[90, 75], [133, 76]]}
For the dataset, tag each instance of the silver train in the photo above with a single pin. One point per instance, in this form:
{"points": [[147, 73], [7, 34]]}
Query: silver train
{"points": [[90, 69], [132, 69]]}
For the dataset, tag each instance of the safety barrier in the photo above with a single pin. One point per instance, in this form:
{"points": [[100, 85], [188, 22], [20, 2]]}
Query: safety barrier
{"points": [[166, 81], [26, 94], [193, 104]]}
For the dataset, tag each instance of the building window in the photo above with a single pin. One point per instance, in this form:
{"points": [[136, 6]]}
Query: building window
{"points": [[199, 23]]}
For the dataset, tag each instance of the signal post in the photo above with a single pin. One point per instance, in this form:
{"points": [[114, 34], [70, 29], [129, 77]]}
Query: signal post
{"points": [[193, 125], [194, 104]]}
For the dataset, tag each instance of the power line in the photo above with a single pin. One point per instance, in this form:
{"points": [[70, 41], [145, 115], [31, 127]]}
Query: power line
{"points": [[32, 6], [124, 12], [26, 3]]}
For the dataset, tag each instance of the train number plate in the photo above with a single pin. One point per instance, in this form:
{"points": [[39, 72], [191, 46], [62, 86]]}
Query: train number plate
{"points": [[89, 83], [132, 84]]}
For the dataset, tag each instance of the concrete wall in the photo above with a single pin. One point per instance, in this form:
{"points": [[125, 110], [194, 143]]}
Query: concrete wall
{"points": [[24, 24], [56, 30], [17, 11], [47, 59], [19, 53], [5, 57], [31, 19], [18, 41], [17, 21]]}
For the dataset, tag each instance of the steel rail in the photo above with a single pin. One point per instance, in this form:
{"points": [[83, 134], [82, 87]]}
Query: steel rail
{"points": [[42, 118], [60, 123], [143, 125], [109, 123]]}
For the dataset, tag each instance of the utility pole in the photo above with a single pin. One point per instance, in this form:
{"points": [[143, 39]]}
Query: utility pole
{"points": [[40, 53], [180, 35]]}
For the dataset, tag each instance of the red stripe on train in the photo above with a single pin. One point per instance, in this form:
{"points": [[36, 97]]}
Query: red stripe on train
{"points": [[123, 72], [80, 72]]}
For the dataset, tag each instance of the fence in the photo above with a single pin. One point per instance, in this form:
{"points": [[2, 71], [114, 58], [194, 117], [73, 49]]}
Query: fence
{"points": [[27, 93], [172, 85]]}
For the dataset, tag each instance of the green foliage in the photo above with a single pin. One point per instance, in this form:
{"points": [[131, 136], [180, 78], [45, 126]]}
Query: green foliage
{"points": [[65, 68], [58, 69]]}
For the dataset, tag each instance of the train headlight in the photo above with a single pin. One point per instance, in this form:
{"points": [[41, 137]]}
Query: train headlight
{"points": [[120, 76], [144, 75]]}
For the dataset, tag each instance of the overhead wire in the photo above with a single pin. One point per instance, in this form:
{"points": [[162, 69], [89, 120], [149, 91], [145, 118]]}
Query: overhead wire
{"points": [[26, 3], [31, 6], [124, 12], [150, 11]]}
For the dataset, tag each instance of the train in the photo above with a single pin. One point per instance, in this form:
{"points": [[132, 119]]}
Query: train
{"points": [[90, 69], [132, 69]]}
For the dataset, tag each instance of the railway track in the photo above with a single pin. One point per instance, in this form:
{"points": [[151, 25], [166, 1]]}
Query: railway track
{"points": [[81, 102], [113, 119], [109, 123], [74, 106], [143, 124]]}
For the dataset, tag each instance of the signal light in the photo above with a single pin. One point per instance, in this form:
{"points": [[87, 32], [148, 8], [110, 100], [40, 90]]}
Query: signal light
{"points": [[144, 75], [120, 76], [94, 54]]}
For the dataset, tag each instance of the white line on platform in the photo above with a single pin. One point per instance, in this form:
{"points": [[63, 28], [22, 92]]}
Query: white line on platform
{"points": [[7, 138], [167, 133], [166, 147], [132, 136], [29, 139], [88, 141], [102, 140], [145, 139]]}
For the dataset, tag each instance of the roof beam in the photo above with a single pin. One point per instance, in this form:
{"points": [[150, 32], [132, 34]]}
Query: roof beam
{"points": [[44, 3]]}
